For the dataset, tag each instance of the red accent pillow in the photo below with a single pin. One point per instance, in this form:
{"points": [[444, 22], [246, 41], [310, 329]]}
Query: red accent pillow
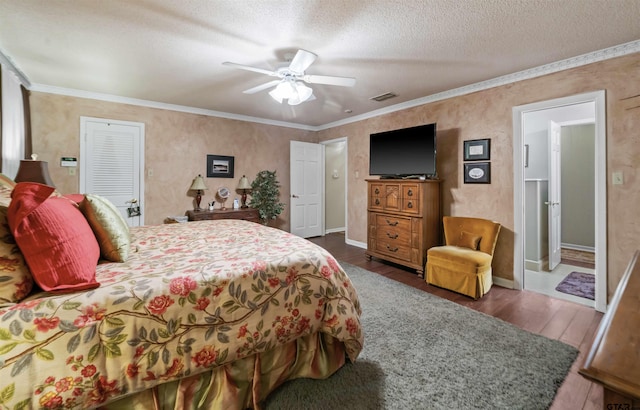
{"points": [[54, 237]]}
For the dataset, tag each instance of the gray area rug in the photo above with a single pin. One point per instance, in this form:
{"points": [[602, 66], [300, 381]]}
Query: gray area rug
{"points": [[424, 352]]}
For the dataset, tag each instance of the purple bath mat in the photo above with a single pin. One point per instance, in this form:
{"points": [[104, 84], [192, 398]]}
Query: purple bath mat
{"points": [[579, 284]]}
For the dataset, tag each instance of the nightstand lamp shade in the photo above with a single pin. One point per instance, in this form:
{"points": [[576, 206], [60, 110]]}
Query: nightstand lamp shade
{"points": [[245, 186], [198, 186], [34, 171]]}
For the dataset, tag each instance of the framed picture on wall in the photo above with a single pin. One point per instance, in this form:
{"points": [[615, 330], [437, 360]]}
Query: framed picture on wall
{"points": [[477, 173], [219, 166], [477, 150]]}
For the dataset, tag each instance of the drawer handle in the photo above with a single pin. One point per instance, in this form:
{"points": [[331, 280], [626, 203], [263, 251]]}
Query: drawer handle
{"points": [[392, 249], [410, 205], [377, 201], [394, 223], [377, 191], [394, 236], [410, 193]]}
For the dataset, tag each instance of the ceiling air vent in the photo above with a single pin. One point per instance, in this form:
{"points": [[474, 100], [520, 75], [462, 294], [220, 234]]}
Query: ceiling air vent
{"points": [[383, 97]]}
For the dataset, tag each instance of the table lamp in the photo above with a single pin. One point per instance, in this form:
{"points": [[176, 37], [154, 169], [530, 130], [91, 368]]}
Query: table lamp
{"points": [[198, 186], [245, 186], [32, 170]]}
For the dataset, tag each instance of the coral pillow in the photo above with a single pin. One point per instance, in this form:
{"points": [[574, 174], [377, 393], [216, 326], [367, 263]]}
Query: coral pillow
{"points": [[15, 279], [54, 237]]}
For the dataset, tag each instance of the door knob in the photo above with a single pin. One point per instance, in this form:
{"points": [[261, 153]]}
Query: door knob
{"points": [[294, 196]]}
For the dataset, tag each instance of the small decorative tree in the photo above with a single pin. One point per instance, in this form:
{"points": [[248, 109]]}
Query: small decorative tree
{"points": [[265, 192]]}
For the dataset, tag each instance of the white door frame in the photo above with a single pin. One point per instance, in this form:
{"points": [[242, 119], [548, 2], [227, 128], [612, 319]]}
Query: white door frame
{"points": [[597, 97], [83, 135], [554, 204], [346, 182]]}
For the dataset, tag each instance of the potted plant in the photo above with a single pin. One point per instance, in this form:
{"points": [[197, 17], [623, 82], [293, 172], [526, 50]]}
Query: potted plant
{"points": [[265, 194]]}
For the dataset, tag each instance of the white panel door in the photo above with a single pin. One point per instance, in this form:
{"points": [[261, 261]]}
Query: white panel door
{"points": [[307, 170], [111, 163], [555, 237]]}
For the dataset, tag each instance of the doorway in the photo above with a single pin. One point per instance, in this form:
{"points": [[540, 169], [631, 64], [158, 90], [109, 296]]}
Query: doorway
{"points": [[566, 111], [335, 185]]}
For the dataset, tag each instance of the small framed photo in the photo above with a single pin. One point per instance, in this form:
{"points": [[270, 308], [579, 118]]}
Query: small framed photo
{"points": [[219, 166], [477, 173], [477, 150]]}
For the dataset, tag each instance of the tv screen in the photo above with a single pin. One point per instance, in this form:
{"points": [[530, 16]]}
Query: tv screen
{"points": [[404, 153]]}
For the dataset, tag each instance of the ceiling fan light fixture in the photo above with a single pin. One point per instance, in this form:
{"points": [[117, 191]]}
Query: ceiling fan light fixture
{"points": [[294, 92], [304, 92], [276, 95], [281, 92]]}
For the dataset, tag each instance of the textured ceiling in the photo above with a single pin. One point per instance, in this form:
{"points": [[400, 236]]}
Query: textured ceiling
{"points": [[171, 52]]}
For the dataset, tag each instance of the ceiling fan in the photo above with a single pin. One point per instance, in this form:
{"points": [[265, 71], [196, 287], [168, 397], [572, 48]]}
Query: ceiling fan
{"points": [[289, 85]]}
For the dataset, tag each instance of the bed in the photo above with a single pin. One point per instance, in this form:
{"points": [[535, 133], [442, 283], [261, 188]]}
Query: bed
{"points": [[209, 314]]}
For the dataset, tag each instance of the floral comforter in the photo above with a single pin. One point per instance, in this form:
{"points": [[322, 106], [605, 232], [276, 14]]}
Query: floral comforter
{"points": [[192, 296]]}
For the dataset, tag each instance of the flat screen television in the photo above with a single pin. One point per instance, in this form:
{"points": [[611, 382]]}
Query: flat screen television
{"points": [[408, 152]]}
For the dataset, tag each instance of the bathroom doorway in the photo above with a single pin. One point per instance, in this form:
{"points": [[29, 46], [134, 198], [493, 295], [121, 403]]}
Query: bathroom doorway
{"points": [[578, 117]]}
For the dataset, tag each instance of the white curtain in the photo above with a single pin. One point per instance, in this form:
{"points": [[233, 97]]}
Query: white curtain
{"points": [[12, 124]]}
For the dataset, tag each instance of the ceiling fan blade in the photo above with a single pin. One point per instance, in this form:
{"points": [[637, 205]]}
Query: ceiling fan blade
{"points": [[330, 80], [261, 87], [249, 68], [301, 61]]}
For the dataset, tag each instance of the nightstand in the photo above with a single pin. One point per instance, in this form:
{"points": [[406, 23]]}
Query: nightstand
{"points": [[247, 214]]}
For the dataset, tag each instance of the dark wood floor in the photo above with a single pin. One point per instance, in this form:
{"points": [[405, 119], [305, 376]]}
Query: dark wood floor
{"points": [[569, 322]]}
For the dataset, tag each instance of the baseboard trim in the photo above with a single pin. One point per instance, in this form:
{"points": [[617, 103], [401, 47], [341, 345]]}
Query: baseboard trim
{"points": [[533, 265], [335, 230], [362, 245], [578, 247], [505, 283]]}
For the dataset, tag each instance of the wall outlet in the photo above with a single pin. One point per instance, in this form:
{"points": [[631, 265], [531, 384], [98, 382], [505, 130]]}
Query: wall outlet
{"points": [[617, 178]]}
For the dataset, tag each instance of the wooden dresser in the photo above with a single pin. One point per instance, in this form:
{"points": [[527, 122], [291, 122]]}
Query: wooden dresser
{"points": [[614, 357], [403, 220], [248, 214]]}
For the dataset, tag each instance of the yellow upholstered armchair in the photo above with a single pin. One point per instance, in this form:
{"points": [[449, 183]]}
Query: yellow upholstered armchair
{"points": [[464, 263]]}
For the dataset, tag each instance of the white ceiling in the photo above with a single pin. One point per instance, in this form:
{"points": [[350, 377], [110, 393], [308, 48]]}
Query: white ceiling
{"points": [[171, 52]]}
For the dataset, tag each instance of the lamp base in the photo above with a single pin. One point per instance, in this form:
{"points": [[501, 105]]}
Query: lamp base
{"points": [[244, 199], [198, 199]]}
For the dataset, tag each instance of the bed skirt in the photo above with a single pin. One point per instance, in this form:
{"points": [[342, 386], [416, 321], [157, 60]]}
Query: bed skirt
{"points": [[245, 383]]}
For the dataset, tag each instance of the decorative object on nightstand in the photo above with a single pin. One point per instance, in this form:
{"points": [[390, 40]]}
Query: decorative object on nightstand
{"points": [[198, 186], [34, 171], [245, 186], [223, 194]]}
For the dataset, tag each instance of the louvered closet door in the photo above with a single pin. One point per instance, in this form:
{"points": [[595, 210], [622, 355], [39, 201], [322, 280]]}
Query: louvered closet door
{"points": [[111, 158]]}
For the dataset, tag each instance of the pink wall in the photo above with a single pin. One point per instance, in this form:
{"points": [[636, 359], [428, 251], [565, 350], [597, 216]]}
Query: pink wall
{"points": [[176, 144], [488, 114]]}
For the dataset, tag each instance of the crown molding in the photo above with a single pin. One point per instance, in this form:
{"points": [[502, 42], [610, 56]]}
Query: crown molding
{"points": [[584, 59], [163, 106], [8, 64]]}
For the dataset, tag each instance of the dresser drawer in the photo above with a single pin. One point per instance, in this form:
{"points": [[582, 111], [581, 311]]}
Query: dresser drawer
{"points": [[393, 235], [397, 223], [411, 206], [393, 249]]}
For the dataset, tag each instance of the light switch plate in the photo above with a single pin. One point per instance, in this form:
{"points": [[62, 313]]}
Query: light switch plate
{"points": [[617, 178]]}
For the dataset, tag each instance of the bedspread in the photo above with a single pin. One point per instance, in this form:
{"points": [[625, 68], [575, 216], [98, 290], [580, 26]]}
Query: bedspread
{"points": [[191, 296]]}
